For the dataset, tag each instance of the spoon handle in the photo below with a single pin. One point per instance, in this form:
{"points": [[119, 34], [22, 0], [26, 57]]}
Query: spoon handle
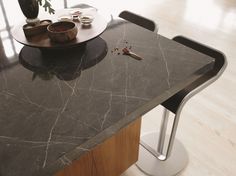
{"points": [[135, 56]]}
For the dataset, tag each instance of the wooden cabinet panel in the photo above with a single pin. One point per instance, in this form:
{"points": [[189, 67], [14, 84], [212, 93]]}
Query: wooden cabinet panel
{"points": [[111, 158]]}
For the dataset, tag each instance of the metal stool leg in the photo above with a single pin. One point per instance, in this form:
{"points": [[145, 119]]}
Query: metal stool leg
{"points": [[162, 135], [156, 162]]}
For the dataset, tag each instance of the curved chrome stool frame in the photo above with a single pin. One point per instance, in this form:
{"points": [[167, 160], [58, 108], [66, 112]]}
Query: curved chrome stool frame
{"points": [[174, 160]]}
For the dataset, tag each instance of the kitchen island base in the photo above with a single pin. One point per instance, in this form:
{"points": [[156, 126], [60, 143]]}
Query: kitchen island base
{"points": [[110, 158]]}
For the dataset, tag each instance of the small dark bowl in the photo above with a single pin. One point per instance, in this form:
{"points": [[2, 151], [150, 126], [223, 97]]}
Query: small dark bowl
{"points": [[63, 31]]}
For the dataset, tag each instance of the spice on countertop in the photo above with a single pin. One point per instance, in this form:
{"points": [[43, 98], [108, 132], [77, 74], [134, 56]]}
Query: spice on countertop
{"points": [[117, 50]]}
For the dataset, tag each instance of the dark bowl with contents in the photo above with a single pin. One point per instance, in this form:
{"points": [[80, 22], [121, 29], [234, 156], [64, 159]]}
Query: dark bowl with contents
{"points": [[63, 31]]}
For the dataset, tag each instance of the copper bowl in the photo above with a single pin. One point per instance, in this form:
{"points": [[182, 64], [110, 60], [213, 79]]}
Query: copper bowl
{"points": [[63, 31]]}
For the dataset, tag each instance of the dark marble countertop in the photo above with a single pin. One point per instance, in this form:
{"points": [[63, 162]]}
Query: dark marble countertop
{"points": [[51, 115]]}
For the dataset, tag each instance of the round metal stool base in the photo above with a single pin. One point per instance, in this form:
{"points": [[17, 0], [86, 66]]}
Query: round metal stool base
{"points": [[152, 166]]}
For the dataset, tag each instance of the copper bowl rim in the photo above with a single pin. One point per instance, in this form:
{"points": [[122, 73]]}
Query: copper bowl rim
{"points": [[58, 23]]}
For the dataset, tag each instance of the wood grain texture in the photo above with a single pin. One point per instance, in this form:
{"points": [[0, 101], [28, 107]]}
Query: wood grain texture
{"points": [[111, 158]]}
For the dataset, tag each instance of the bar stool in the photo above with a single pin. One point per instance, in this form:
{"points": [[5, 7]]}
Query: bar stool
{"points": [[160, 154], [163, 155]]}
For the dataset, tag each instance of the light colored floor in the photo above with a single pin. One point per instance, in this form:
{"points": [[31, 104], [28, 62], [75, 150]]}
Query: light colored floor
{"points": [[208, 123]]}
